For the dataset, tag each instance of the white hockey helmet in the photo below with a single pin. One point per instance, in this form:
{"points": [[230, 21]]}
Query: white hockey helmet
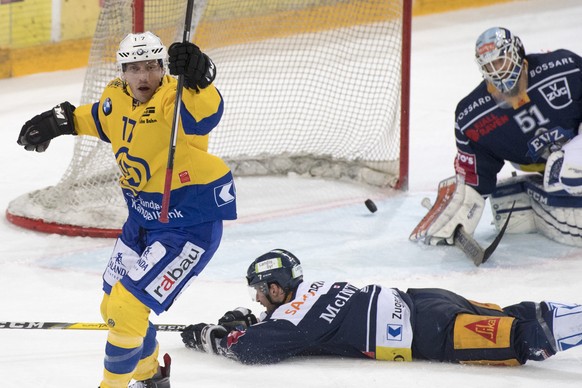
{"points": [[500, 56], [144, 46]]}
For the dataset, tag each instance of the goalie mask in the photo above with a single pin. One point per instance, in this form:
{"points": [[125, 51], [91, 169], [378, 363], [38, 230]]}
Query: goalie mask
{"points": [[276, 266], [500, 56], [145, 46]]}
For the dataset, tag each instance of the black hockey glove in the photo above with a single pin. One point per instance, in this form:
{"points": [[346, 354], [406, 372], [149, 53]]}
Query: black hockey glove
{"points": [[191, 336], [203, 337], [36, 134], [186, 59], [211, 336], [237, 319]]}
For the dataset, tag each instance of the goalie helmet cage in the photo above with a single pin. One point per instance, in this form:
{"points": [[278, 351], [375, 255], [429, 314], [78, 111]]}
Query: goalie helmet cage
{"points": [[317, 88]]}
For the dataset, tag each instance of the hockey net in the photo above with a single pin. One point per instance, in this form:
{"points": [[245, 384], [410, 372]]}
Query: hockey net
{"points": [[315, 88]]}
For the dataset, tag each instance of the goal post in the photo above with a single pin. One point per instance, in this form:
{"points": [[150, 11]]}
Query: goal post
{"points": [[406, 48], [319, 89]]}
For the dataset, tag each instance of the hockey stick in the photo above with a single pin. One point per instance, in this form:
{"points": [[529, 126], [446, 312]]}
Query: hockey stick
{"points": [[471, 247], [172, 150], [75, 326]]}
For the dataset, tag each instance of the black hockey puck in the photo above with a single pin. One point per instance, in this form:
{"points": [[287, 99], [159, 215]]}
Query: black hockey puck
{"points": [[371, 205]]}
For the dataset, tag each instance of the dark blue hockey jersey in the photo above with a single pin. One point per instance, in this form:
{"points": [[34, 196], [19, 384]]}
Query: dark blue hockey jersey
{"points": [[488, 133], [329, 319]]}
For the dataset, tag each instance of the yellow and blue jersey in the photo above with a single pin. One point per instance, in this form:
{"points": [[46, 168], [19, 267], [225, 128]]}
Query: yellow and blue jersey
{"points": [[139, 133]]}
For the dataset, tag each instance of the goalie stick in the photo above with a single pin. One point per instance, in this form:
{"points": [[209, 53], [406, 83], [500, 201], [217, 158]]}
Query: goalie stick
{"points": [[470, 247], [75, 326]]}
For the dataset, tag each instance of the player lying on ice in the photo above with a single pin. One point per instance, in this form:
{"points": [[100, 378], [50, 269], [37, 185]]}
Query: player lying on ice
{"points": [[527, 111], [340, 319]]}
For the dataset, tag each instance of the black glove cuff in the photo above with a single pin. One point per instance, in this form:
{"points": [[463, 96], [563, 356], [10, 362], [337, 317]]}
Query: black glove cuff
{"points": [[209, 75], [63, 115]]}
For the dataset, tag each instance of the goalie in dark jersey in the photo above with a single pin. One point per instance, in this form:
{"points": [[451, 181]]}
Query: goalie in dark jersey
{"points": [[527, 111], [340, 319]]}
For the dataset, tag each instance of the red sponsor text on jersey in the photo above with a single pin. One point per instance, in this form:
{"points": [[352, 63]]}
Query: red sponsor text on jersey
{"points": [[485, 125], [466, 165]]}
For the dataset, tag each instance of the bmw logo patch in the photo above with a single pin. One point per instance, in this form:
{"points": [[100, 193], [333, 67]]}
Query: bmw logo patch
{"points": [[107, 107]]}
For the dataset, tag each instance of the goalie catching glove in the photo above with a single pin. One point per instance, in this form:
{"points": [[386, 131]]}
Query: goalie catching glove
{"points": [[37, 133], [186, 59], [456, 204], [203, 337]]}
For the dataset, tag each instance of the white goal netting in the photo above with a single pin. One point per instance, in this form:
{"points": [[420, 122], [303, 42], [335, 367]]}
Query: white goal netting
{"points": [[310, 87]]}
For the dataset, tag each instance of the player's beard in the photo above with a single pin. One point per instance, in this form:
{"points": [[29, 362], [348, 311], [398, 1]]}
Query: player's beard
{"points": [[513, 97]]}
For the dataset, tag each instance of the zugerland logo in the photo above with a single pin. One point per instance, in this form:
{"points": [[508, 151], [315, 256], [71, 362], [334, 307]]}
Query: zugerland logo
{"points": [[175, 273]]}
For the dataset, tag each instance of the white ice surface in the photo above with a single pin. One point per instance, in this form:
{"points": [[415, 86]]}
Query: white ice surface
{"points": [[54, 278]]}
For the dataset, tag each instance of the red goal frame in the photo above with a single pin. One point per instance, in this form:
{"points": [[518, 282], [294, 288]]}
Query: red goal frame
{"points": [[138, 21]]}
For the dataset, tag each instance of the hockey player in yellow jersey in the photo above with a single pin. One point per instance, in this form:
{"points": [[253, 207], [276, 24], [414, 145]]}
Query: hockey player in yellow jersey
{"points": [[152, 262]]}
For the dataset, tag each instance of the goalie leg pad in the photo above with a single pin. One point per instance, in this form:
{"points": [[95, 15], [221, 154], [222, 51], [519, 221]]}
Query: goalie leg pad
{"points": [[558, 217], [510, 197], [554, 223]]}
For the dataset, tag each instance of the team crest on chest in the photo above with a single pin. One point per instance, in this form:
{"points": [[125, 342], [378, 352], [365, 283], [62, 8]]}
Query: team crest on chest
{"points": [[557, 93]]}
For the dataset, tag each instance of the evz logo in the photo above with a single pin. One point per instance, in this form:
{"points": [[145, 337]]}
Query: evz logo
{"points": [[557, 93], [546, 142]]}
